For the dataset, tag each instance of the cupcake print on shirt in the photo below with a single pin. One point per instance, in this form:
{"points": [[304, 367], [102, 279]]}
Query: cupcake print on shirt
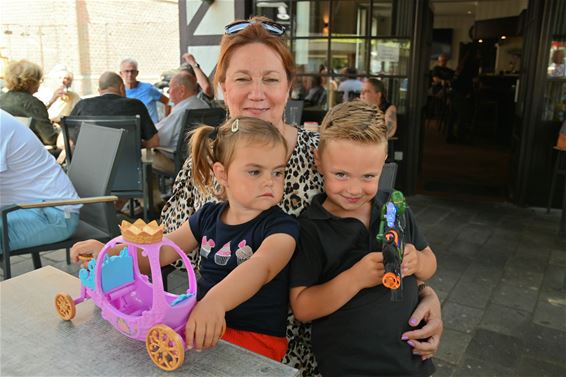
{"points": [[244, 252], [205, 246], [223, 255]]}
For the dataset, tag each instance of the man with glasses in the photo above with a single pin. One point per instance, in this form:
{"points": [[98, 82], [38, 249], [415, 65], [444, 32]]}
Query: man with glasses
{"points": [[142, 91]]}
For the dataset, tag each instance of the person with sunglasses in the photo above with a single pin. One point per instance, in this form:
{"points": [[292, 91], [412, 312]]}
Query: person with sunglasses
{"points": [[255, 71], [142, 91]]}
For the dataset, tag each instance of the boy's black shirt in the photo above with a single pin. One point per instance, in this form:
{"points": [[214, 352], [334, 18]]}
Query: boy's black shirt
{"points": [[363, 338]]}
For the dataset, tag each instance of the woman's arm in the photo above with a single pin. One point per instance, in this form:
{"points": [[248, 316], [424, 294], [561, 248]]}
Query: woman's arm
{"points": [[310, 303], [206, 322], [391, 121], [425, 340]]}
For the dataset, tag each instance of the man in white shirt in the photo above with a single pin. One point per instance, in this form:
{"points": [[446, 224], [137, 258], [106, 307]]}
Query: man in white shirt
{"points": [[183, 90], [28, 173]]}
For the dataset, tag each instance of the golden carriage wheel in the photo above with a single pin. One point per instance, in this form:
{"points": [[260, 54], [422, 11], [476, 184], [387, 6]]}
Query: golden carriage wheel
{"points": [[165, 347], [65, 306]]}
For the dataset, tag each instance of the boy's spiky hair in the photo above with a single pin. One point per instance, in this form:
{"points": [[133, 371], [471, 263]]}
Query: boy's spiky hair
{"points": [[355, 121]]}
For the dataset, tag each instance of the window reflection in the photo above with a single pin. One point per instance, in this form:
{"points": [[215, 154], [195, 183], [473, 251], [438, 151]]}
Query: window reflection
{"points": [[389, 57]]}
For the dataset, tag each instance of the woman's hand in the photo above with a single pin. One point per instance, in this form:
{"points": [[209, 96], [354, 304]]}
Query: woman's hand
{"points": [[85, 248], [206, 325], [410, 263], [425, 341]]}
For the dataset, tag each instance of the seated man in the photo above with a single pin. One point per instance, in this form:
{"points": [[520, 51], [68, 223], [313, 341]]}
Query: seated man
{"points": [[112, 101], [57, 94], [183, 91], [28, 174]]}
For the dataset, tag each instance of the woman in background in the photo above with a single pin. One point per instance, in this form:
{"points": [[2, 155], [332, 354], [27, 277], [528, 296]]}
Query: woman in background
{"points": [[373, 92], [23, 79]]}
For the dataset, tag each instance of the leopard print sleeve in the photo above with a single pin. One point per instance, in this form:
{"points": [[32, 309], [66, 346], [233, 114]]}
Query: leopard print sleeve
{"points": [[184, 201], [302, 180]]}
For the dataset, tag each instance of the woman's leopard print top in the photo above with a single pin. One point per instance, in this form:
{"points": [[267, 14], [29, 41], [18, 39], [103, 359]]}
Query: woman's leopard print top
{"points": [[302, 183]]}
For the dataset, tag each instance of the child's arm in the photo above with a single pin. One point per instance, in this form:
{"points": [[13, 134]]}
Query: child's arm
{"points": [[420, 263], [183, 237], [206, 323], [309, 303]]}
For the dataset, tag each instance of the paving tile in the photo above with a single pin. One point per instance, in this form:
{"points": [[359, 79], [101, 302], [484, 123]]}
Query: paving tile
{"points": [[487, 218], [515, 296], [493, 256], [514, 222], [504, 320], [443, 282], [500, 243], [440, 236], [530, 367], [460, 317], [453, 346], [545, 344], [452, 262], [551, 310], [443, 368], [465, 248], [55, 255], [498, 349], [476, 285], [473, 367], [475, 233], [554, 278], [526, 259], [558, 257], [522, 278], [456, 219], [431, 215]]}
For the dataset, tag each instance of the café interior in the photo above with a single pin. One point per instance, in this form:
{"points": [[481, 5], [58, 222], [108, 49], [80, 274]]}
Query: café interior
{"points": [[506, 150]]}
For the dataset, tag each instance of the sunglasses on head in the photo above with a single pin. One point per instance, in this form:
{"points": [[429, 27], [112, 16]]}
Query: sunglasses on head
{"points": [[272, 27]]}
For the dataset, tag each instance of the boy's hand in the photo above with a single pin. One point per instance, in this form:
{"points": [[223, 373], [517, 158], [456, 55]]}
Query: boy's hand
{"points": [[206, 325], [410, 263], [369, 270], [87, 247]]}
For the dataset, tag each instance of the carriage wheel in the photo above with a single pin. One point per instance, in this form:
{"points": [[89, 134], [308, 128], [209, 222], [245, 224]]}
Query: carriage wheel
{"points": [[165, 347], [65, 306]]}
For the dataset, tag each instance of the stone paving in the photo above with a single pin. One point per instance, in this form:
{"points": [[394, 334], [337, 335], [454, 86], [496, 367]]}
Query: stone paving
{"points": [[501, 278]]}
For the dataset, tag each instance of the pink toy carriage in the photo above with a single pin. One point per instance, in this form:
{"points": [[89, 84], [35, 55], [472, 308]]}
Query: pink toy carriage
{"points": [[136, 307]]}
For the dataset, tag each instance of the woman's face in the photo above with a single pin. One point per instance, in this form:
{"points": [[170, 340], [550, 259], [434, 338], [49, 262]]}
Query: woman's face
{"points": [[369, 94], [256, 83]]}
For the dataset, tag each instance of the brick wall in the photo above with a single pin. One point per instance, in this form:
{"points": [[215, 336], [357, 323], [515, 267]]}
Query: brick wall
{"points": [[92, 36]]}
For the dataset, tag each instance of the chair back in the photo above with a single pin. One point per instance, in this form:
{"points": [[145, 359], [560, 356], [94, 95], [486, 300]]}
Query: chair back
{"points": [[388, 176], [92, 173], [130, 168], [191, 119], [294, 112]]}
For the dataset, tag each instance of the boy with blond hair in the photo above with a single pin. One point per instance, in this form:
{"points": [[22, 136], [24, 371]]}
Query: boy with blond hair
{"points": [[336, 273]]}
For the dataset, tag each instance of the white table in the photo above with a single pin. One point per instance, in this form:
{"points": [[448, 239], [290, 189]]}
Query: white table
{"points": [[36, 342]]}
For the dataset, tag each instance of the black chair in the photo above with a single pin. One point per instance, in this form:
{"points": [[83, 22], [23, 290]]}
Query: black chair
{"points": [[313, 115], [294, 112], [134, 175], [191, 119], [388, 176], [91, 173]]}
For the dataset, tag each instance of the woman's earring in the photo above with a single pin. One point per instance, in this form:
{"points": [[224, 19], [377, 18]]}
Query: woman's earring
{"points": [[235, 126]]}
